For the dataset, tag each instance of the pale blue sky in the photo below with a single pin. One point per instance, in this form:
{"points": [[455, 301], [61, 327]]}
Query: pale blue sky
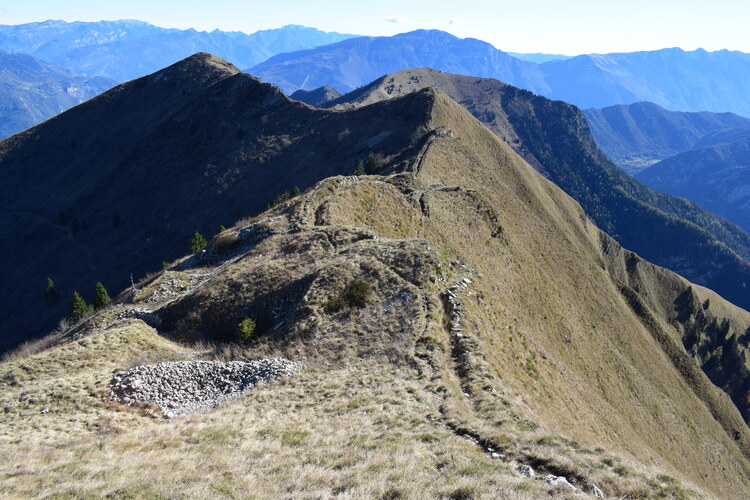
{"points": [[552, 26]]}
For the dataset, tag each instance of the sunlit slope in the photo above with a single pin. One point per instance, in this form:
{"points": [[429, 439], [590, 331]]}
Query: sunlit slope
{"points": [[499, 320]]}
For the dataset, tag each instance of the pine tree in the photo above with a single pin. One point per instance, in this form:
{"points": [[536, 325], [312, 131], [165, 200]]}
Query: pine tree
{"points": [[359, 169], [221, 229], [78, 308], [50, 290], [101, 297], [373, 163], [198, 243], [295, 192]]}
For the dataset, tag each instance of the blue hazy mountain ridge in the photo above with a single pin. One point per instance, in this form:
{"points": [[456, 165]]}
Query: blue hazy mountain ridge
{"points": [[672, 78], [538, 57], [716, 176], [32, 91], [355, 62], [127, 49], [637, 135], [724, 135]]}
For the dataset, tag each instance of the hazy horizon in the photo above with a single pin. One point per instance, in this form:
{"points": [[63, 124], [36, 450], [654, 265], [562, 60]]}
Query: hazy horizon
{"points": [[545, 26]]}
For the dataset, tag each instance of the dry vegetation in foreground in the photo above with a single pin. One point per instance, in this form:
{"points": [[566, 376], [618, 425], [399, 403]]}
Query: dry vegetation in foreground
{"points": [[364, 429]]}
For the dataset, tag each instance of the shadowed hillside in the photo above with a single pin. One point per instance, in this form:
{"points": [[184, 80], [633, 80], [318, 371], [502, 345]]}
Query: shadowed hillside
{"points": [[190, 148], [316, 97], [717, 176], [459, 316], [638, 135]]}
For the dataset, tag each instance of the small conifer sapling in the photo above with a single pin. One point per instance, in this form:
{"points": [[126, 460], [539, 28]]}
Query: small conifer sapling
{"points": [[198, 243], [78, 308], [50, 290], [101, 297], [245, 330]]}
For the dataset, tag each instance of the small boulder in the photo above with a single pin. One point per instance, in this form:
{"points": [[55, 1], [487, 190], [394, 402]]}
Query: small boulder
{"points": [[526, 471], [561, 481]]}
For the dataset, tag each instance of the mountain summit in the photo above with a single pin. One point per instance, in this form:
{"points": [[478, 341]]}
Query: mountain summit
{"points": [[351, 63], [116, 200], [465, 329]]}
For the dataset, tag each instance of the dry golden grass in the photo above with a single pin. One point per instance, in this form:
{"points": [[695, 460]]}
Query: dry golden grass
{"points": [[553, 367], [365, 429]]}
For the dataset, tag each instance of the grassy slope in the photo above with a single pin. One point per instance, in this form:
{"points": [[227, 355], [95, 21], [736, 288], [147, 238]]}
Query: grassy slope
{"points": [[549, 272], [554, 137], [554, 366]]}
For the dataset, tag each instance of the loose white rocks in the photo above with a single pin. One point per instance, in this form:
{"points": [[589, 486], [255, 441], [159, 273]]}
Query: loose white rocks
{"points": [[146, 315], [553, 480], [527, 471], [596, 491], [184, 387]]}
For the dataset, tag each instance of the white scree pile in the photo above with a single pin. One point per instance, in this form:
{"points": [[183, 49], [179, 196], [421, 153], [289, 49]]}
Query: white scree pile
{"points": [[184, 387]]}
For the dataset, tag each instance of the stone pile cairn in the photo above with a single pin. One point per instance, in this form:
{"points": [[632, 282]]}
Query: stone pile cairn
{"points": [[184, 387]]}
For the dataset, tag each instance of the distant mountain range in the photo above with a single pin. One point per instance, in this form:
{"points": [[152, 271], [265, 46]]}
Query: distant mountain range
{"points": [[704, 157], [123, 50], [717, 176], [32, 91], [637, 135], [296, 57], [355, 62], [672, 78]]}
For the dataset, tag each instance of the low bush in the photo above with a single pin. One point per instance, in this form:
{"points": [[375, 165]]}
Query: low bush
{"points": [[355, 295]]}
